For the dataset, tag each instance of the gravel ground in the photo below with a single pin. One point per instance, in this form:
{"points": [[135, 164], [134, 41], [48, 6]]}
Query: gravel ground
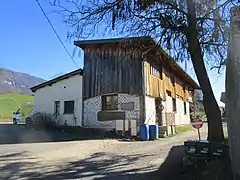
{"points": [[92, 159]]}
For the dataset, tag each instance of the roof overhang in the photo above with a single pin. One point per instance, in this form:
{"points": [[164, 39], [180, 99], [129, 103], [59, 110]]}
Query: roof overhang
{"points": [[112, 41]]}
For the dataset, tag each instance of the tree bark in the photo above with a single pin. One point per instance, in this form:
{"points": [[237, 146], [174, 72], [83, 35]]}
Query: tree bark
{"points": [[233, 91], [215, 130]]}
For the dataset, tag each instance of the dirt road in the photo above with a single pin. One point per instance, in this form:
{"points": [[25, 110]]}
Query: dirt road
{"points": [[90, 159]]}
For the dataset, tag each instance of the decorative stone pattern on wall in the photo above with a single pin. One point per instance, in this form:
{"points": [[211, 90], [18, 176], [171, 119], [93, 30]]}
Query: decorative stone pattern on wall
{"points": [[91, 108], [127, 98], [132, 116], [93, 105]]}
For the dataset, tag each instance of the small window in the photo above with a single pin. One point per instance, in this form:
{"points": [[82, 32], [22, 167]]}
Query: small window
{"points": [[184, 88], [56, 108], [157, 72], [110, 102], [185, 107], [169, 93], [161, 73], [172, 79], [174, 105], [160, 70], [68, 107]]}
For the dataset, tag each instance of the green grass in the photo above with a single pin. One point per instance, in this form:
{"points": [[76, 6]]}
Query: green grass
{"points": [[10, 102], [180, 129]]}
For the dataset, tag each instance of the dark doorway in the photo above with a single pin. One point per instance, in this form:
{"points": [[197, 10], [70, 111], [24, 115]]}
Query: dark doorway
{"points": [[159, 108]]}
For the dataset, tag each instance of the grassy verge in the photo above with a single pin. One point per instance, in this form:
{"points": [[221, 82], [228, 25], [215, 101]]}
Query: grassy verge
{"points": [[185, 128], [10, 102]]}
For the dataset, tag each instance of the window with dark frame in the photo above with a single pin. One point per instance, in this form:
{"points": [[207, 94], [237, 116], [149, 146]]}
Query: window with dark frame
{"points": [[174, 104], [185, 107], [68, 107], [110, 102]]}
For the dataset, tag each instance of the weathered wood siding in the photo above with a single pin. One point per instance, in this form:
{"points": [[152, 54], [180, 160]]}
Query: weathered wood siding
{"points": [[111, 70], [157, 87], [154, 86], [180, 86], [167, 81]]}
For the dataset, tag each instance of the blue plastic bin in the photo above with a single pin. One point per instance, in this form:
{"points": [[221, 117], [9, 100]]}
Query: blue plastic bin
{"points": [[144, 132], [153, 132]]}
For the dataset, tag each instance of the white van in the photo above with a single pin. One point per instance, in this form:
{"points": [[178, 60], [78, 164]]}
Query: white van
{"points": [[20, 115], [16, 116]]}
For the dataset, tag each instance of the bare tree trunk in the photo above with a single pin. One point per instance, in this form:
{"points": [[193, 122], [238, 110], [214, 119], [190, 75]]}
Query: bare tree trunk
{"points": [[233, 91], [215, 130]]}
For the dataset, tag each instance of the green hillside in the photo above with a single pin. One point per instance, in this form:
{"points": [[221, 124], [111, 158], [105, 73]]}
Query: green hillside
{"points": [[9, 102]]}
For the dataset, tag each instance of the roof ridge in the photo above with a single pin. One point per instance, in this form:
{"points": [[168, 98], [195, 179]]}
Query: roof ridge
{"points": [[57, 79]]}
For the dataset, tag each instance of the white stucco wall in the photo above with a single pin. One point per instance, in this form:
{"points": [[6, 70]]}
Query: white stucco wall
{"points": [[167, 107], [168, 104], [180, 117], [93, 105], [150, 111], [67, 89], [91, 108]]}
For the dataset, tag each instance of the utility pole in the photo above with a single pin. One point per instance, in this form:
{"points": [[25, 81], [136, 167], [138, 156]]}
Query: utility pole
{"points": [[233, 91]]}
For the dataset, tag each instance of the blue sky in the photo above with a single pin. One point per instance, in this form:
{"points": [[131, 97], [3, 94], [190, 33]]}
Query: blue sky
{"points": [[29, 45]]}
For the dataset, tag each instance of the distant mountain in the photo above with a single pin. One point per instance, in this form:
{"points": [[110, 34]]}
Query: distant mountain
{"points": [[17, 82]]}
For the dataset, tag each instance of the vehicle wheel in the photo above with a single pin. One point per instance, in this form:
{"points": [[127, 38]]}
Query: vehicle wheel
{"points": [[14, 121]]}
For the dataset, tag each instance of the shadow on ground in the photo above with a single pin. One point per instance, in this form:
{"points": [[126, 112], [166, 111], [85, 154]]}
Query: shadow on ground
{"points": [[97, 166], [173, 169], [13, 134], [104, 166]]}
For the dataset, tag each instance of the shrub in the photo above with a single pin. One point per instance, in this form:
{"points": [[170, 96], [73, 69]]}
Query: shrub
{"points": [[29, 123], [41, 120]]}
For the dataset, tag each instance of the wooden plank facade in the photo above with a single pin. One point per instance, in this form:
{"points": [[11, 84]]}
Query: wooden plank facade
{"points": [[157, 86], [110, 67], [111, 70]]}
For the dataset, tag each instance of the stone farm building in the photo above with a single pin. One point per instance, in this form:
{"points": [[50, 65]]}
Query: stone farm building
{"points": [[125, 82]]}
